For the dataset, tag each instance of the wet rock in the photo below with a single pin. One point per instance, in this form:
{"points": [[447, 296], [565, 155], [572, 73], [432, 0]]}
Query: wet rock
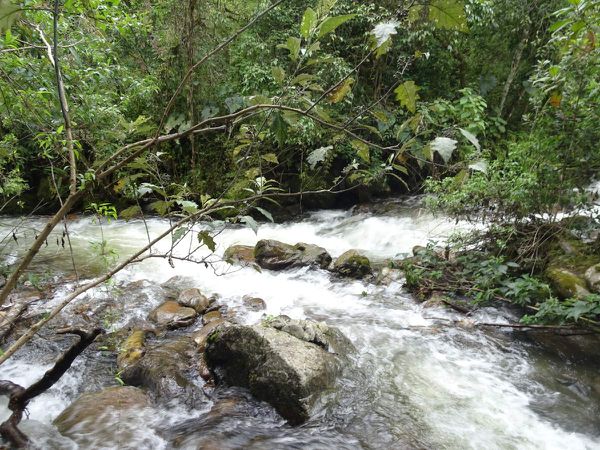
{"points": [[172, 315], [201, 337], [592, 277], [166, 370], [580, 348], [239, 254], [193, 298], [566, 283], [132, 349], [2, 281], [289, 373], [436, 300], [418, 250], [212, 317], [174, 285], [103, 417], [254, 303], [319, 333], [352, 264], [388, 276], [275, 255]]}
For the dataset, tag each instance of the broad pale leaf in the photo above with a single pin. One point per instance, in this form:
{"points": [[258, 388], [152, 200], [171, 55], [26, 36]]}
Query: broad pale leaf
{"points": [[444, 147], [265, 213], [479, 166], [318, 155], [384, 31], [293, 46], [331, 23], [250, 223], [448, 14], [471, 138], [178, 234], [309, 21], [407, 95], [278, 74], [362, 150]]}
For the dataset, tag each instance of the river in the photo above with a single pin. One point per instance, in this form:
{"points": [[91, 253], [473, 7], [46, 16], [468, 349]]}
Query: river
{"points": [[416, 382]]}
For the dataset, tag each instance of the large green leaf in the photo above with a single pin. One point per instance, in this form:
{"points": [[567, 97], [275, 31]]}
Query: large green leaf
{"points": [[331, 23], [293, 46], [279, 128], [448, 14], [309, 21], [444, 147], [407, 95], [8, 14]]}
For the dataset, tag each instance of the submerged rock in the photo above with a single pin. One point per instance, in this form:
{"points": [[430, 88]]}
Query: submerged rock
{"points": [[275, 255], [212, 317], [276, 366], [254, 303], [592, 277], [103, 417], [239, 254], [389, 275], [352, 264], [165, 370], [171, 314], [566, 283]]}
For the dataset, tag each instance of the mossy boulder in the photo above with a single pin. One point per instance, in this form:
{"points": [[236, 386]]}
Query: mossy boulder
{"points": [[352, 264], [239, 254], [289, 373], [592, 277], [565, 283], [275, 255]]}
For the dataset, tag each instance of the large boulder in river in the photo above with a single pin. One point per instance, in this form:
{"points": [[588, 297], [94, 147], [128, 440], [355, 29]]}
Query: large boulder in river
{"points": [[566, 283], [275, 255], [239, 254], [171, 314], [166, 371], [352, 264], [592, 277], [103, 418], [289, 373]]}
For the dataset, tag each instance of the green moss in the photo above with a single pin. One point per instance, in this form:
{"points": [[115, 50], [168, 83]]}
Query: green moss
{"points": [[566, 283]]}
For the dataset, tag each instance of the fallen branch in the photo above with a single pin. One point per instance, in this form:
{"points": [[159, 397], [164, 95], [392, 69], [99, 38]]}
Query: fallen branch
{"points": [[19, 397]]}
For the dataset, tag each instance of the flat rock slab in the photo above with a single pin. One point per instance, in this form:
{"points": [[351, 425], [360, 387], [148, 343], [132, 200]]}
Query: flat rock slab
{"points": [[171, 314]]}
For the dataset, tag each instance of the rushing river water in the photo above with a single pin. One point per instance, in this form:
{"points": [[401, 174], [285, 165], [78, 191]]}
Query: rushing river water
{"points": [[416, 382]]}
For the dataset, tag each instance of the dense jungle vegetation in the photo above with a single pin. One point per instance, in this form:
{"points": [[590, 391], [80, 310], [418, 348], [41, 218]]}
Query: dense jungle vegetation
{"points": [[246, 109]]}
